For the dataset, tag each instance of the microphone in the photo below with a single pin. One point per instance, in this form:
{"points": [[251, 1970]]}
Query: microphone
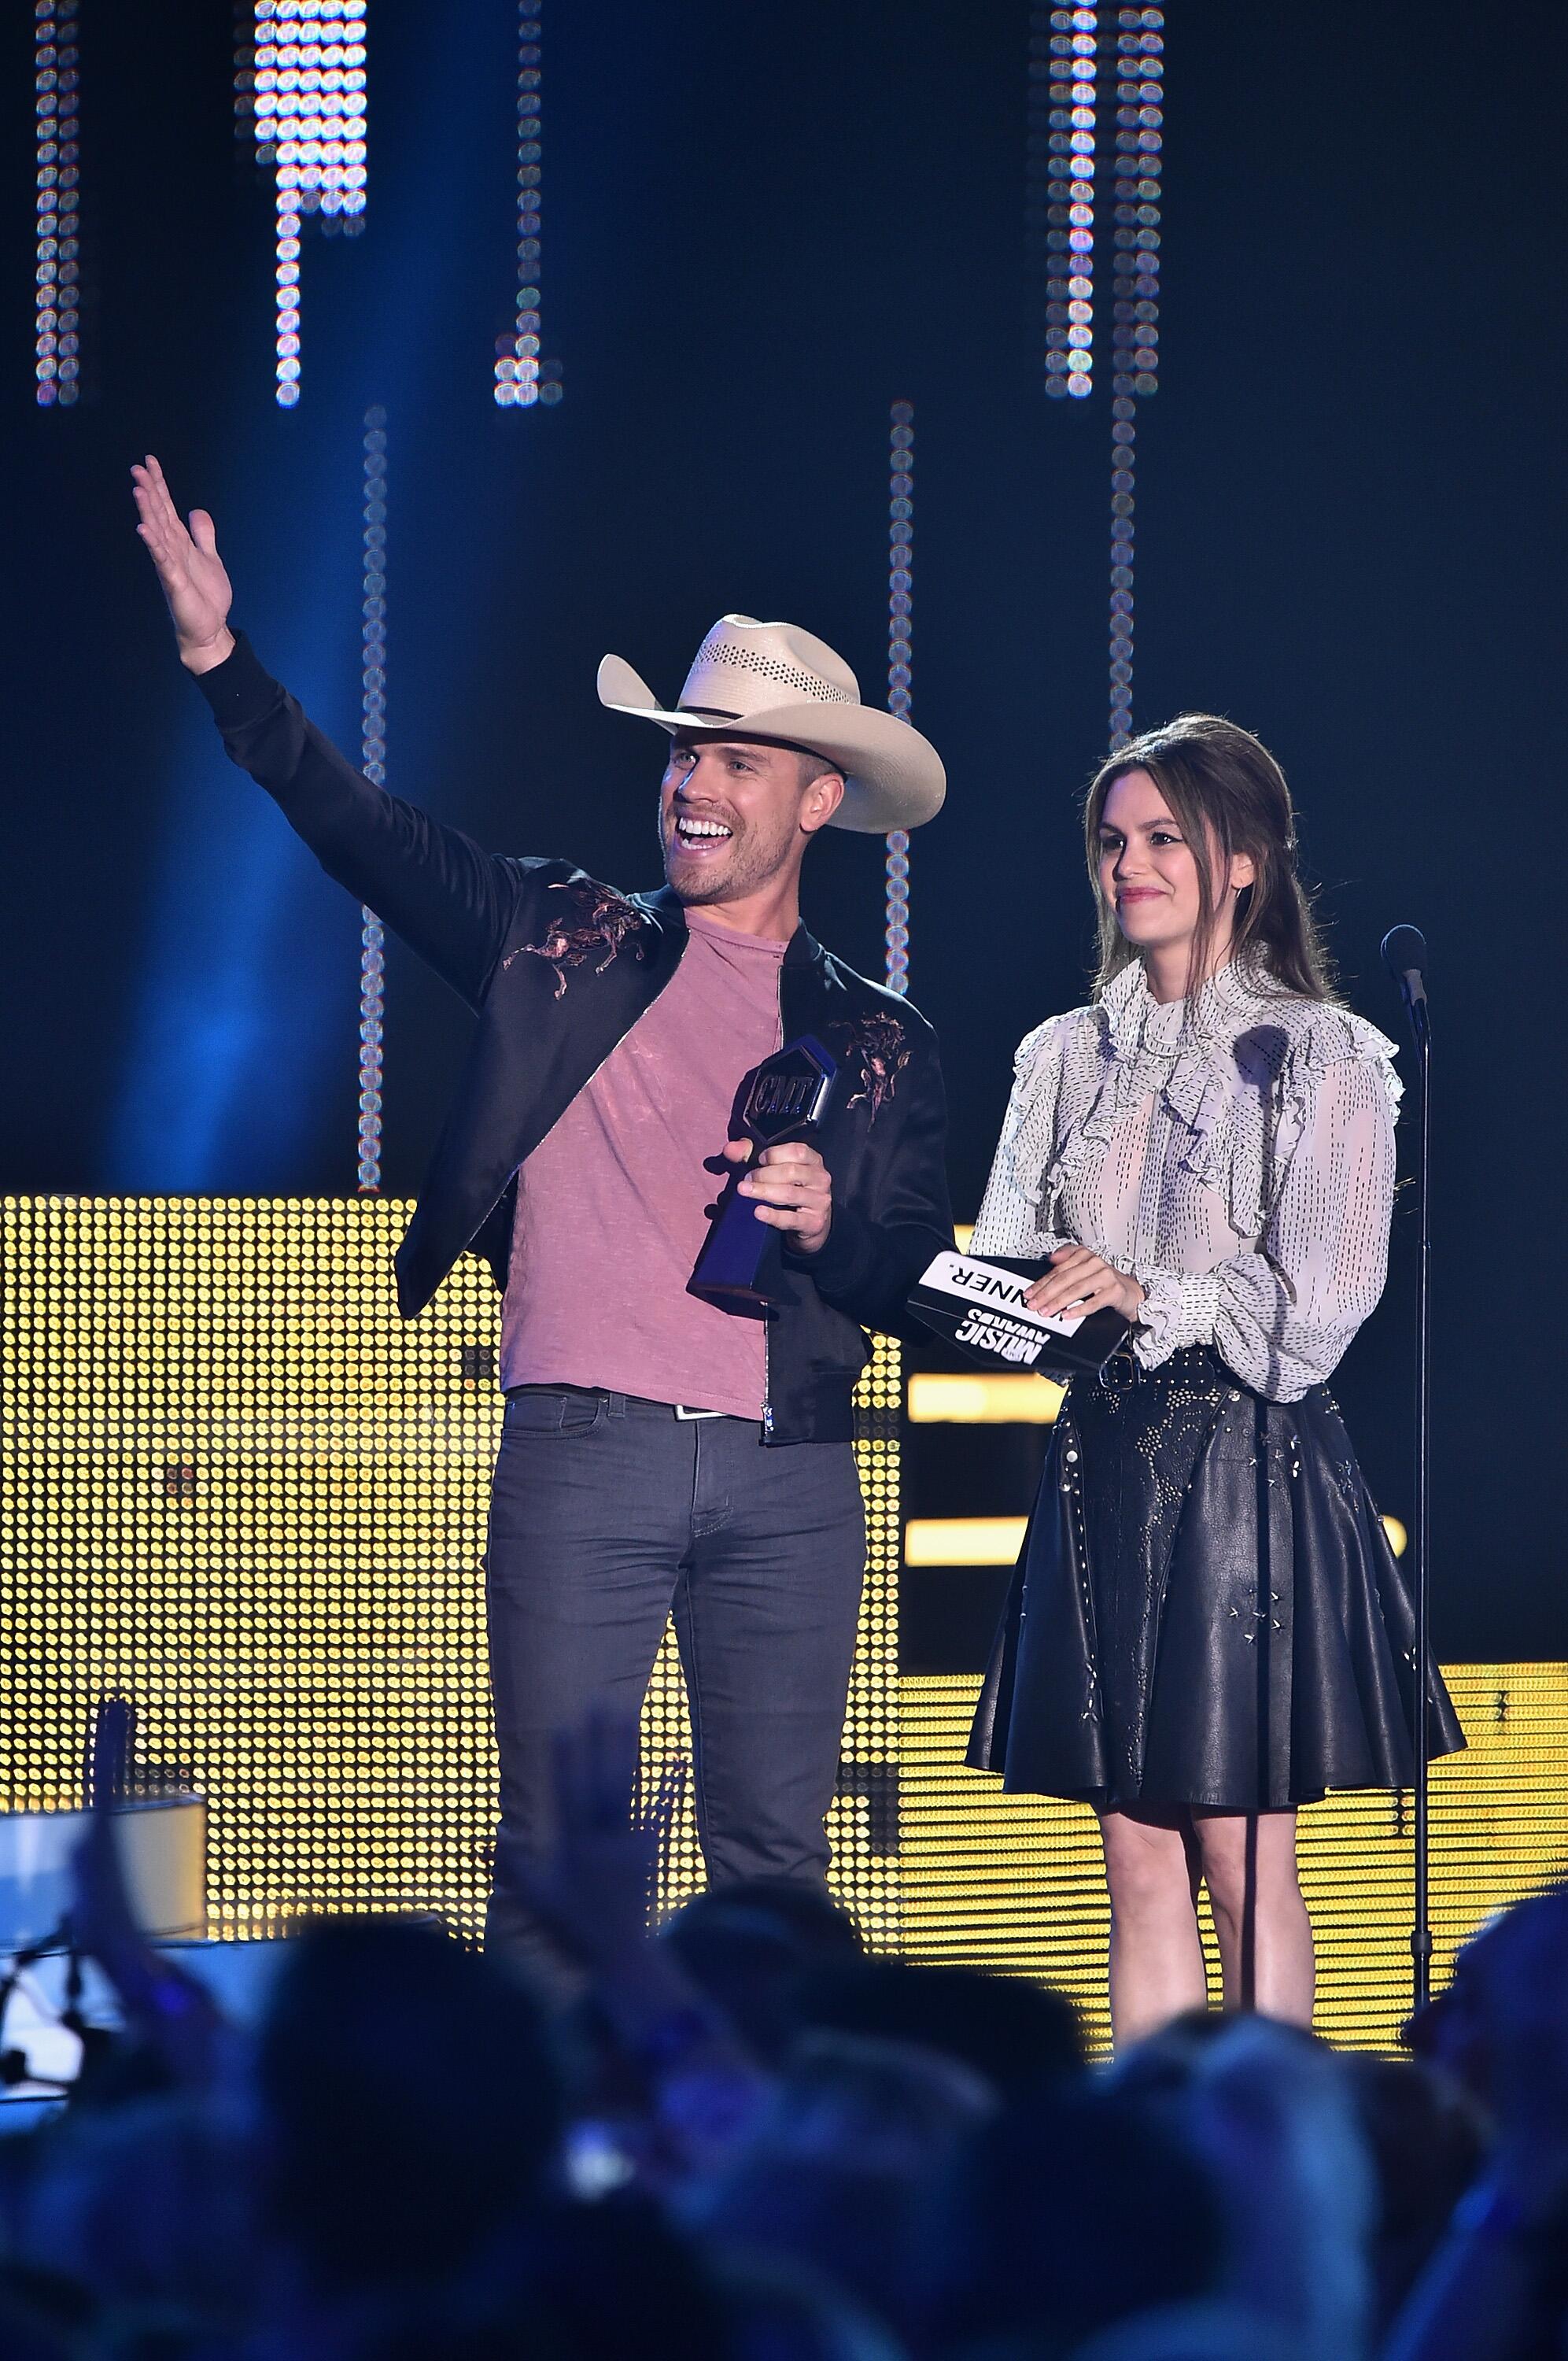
{"points": [[1404, 957]]}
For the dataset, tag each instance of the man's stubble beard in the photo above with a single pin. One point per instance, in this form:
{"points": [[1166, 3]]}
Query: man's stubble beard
{"points": [[752, 873]]}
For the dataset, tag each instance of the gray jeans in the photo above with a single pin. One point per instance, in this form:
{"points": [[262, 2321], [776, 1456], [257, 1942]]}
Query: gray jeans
{"points": [[609, 1513]]}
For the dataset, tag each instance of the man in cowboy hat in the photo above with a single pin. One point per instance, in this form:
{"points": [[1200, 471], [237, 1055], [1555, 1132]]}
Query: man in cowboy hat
{"points": [[659, 1452]]}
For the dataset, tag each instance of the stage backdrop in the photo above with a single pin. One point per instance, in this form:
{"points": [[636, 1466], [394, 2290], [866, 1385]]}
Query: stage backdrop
{"points": [[239, 1491], [235, 1487], [757, 229]]}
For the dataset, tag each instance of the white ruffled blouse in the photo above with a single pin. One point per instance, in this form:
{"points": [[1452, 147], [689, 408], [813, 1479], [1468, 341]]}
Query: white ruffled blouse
{"points": [[1235, 1154]]}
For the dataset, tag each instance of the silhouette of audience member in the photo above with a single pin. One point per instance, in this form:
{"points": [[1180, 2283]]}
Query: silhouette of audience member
{"points": [[1059, 2217], [1019, 2037], [147, 2208], [748, 1947], [831, 2171], [411, 2104], [795, 2153], [1426, 2137], [1497, 2286]]}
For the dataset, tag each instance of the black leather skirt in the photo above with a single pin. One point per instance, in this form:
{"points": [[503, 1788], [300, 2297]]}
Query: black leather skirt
{"points": [[1206, 1609]]}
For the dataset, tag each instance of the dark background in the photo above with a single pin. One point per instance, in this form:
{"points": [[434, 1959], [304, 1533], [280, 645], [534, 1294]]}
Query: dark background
{"points": [[761, 224]]}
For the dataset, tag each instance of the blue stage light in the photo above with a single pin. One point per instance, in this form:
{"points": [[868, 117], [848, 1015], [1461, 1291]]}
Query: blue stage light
{"points": [[1140, 119], [1064, 70], [202, 1029], [521, 379], [56, 318], [302, 87]]}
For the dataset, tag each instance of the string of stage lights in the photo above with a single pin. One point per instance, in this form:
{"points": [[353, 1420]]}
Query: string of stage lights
{"points": [[521, 379], [56, 318], [866, 1807], [373, 762], [1063, 65], [1072, 54], [1140, 84], [301, 84], [899, 673]]}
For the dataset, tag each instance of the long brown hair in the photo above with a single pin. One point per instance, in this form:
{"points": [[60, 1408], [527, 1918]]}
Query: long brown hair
{"points": [[1225, 789]]}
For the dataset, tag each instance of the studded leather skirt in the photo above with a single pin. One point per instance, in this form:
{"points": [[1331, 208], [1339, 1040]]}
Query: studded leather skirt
{"points": [[1207, 1609]]}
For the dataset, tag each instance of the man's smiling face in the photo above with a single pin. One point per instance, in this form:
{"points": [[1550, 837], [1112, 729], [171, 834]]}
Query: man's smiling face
{"points": [[736, 814]]}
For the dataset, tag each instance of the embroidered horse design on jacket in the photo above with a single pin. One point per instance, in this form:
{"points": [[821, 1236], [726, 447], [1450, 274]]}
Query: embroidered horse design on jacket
{"points": [[880, 1047], [598, 918]]}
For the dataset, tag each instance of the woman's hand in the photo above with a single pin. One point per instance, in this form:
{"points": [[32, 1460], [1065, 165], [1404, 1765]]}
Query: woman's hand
{"points": [[1079, 1282]]}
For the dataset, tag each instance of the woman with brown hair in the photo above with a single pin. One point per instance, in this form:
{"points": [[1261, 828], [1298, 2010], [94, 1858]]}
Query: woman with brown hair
{"points": [[1207, 1626]]}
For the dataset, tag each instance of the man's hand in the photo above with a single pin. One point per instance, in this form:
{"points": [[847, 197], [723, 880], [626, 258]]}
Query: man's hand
{"points": [[189, 567], [1079, 1282], [790, 1188]]}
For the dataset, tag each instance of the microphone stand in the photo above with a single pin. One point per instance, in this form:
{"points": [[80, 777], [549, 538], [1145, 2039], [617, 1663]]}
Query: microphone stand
{"points": [[1421, 1929], [1404, 950]]}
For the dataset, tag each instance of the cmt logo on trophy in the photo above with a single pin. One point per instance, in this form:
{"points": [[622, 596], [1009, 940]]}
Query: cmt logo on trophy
{"points": [[783, 1098], [786, 1097]]}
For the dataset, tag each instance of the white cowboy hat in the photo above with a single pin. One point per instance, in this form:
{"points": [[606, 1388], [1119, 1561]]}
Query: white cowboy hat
{"points": [[774, 681]]}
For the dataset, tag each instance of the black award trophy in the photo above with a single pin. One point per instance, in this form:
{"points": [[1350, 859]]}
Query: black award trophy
{"points": [[784, 1098]]}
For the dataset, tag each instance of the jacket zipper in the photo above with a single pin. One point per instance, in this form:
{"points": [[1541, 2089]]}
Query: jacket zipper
{"points": [[767, 1319]]}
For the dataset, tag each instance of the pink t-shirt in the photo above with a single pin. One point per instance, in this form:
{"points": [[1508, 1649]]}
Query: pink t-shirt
{"points": [[611, 1206]]}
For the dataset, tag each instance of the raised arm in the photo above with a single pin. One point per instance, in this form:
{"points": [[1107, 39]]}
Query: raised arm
{"points": [[451, 901], [191, 574]]}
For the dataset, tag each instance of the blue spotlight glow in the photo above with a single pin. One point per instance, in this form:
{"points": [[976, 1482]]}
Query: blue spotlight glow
{"points": [[203, 1028]]}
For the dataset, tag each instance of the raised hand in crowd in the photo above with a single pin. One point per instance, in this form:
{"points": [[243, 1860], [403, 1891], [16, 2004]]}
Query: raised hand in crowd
{"points": [[594, 1890], [172, 2015]]}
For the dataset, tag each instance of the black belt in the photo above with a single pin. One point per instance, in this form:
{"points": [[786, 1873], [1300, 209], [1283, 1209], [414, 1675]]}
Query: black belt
{"points": [[612, 1393]]}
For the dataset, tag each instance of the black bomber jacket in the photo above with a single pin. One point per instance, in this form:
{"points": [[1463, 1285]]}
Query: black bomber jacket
{"points": [[558, 967]]}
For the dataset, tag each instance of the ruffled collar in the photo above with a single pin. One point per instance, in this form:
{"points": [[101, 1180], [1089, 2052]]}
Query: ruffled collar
{"points": [[1137, 1022], [1200, 1059], [1169, 1047]]}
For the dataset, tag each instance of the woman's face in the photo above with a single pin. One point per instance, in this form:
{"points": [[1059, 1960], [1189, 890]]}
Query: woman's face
{"points": [[1148, 875]]}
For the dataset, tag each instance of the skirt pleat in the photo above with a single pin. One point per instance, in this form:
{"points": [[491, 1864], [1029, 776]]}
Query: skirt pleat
{"points": [[1206, 1610]]}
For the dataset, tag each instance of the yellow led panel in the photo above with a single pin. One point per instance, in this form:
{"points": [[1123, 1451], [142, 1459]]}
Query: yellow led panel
{"points": [[239, 1489], [864, 1824], [1009, 1883], [235, 1486], [964, 1540], [982, 1401], [1015, 1882]]}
